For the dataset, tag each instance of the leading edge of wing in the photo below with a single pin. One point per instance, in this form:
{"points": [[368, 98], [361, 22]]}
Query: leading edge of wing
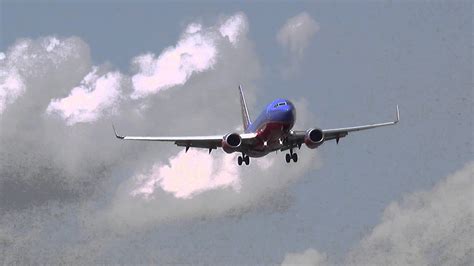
{"points": [[357, 128], [244, 136]]}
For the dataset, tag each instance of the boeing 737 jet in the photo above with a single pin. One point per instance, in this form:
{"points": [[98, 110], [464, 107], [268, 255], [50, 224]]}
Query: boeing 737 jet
{"points": [[271, 131]]}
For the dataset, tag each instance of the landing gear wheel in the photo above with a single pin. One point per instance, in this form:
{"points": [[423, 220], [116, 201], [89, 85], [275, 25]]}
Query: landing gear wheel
{"points": [[294, 156], [288, 157], [247, 160], [239, 160]]}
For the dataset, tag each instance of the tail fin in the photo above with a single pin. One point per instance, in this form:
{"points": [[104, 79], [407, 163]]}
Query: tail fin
{"points": [[245, 112]]}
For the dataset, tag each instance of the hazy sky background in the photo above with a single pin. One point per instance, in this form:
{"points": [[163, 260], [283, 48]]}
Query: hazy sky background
{"points": [[67, 183]]}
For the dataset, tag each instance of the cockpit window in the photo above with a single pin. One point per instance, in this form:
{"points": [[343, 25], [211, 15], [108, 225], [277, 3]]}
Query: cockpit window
{"points": [[279, 104]]}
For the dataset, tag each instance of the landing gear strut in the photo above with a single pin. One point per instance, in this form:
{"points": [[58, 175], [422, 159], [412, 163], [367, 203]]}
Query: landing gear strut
{"points": [[291, 156], [244, 158]]}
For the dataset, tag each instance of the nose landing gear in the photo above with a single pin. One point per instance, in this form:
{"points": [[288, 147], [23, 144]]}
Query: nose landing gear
{"points": [[291, 156], [244, 158]]}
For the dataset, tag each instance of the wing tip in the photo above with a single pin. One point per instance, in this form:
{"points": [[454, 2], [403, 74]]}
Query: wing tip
{"points": [[398, 115], [115, 132]]}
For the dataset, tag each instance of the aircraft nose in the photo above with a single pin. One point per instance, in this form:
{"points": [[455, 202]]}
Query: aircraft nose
{"points": [[289, 112]]}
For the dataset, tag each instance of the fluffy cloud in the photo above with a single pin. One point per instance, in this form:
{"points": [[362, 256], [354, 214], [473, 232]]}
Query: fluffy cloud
{"points": [[11, 86], [19, 68], [425, 228], [195, 52], [309, 257], [295, 36], [72, 194], [297, 32], [87, 102], [21, 61], [188, 174], [233, 27]]}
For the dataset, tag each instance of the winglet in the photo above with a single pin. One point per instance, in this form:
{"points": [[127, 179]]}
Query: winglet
{"points": [[117, 135], [398, 116]]}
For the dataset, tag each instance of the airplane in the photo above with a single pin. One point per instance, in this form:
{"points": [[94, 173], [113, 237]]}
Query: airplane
{"points": [[270, 131]]}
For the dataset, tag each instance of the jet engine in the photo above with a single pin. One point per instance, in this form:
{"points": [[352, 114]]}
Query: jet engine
{"points": [[313, 138], [231, 142]]}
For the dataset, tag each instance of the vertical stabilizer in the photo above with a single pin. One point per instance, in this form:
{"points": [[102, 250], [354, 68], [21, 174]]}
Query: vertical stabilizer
{"points": [[245, 111]]}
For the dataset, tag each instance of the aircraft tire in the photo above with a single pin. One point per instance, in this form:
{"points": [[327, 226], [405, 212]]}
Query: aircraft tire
{"points": [[247, 160], [288, 158], [294, 157], [239, 160]]}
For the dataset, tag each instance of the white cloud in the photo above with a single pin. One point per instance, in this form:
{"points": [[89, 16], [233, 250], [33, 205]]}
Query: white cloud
{"points": [[310, 257], [233, 27], [193, 28], [53, 43], [19, 51], [432, 227], [28, 61], [208, 193], [265, 163], [27, 54], [189, 174], [297, 33], [195, 52], [80, 178], [96, 95], [11, 86]]}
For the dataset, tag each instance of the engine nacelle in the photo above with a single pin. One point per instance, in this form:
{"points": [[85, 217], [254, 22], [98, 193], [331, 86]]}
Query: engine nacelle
{"points": [[313, 138], [231, 142]]}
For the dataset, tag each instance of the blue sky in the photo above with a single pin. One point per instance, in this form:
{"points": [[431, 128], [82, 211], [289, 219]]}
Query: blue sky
{"points": [[365, 58]]}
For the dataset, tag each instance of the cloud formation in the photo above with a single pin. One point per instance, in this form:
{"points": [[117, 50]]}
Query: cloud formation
{"points": [[21, 61], [195, 52], [190, 173], [428, 227], [232, 27], [432, 227], [11, 86], [297, 32], [96, 95], [83, 191]]}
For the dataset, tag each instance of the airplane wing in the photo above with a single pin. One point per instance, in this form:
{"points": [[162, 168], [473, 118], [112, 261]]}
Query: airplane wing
{"points": [[208, 142], [296, 138]]}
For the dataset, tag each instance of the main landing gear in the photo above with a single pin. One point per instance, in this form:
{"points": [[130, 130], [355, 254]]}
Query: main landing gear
{"points": [[291, 156], [243, 158]]}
